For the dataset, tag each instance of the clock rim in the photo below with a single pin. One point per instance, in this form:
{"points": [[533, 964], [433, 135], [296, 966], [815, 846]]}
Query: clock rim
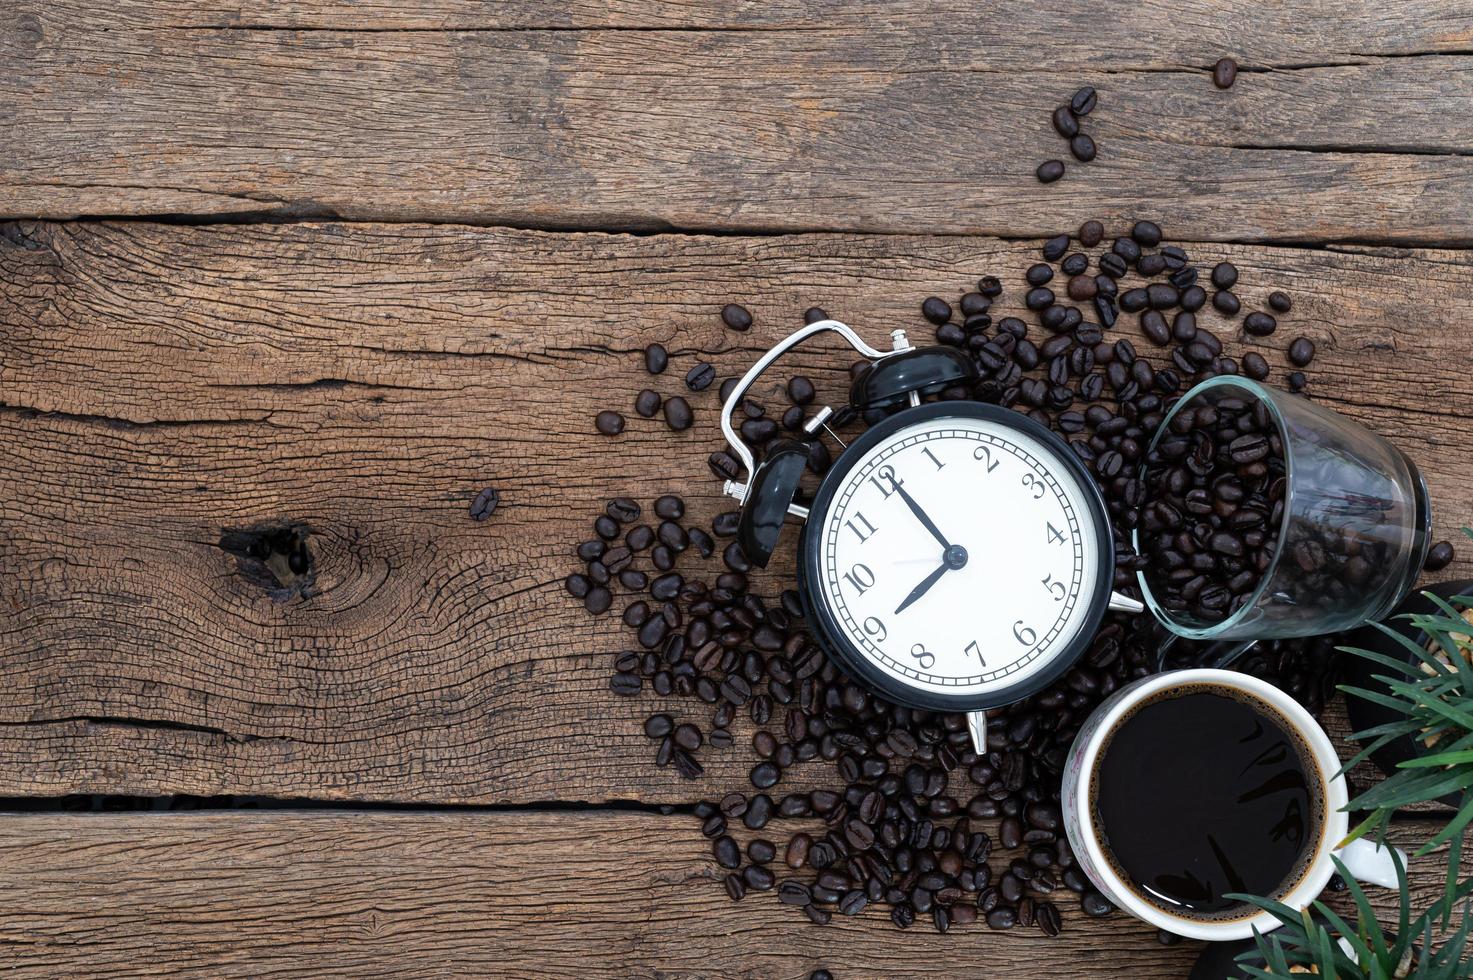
{"points": [[825, 628]]}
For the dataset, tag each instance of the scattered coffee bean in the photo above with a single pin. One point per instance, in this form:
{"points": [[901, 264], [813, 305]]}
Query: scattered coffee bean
{"points": [[1301, 352], [1439, 556], [1224, 73], [1280, 302], [609, 423], [1091, 233], [936, 309], [1083, 101], [1259, 324], [1050, 171], [700, 377], [736, 317], [1083, 147], [1065, 123], [1225, 303], [647, 404], [483, 506], [656, 358], [678, 414]]}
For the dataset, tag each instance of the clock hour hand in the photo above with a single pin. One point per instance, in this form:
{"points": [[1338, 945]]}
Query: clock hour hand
{"points": [[923, 588], [921, 515]]}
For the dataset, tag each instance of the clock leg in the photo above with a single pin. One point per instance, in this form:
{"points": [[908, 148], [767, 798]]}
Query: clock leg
{"points": [[977, 725]]}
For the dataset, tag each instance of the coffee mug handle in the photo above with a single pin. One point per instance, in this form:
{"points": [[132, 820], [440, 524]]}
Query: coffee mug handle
{"points": [[1369, 861]]}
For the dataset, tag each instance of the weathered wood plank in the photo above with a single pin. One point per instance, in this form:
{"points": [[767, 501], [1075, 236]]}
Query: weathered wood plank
{"points": [[509, 894], [163, 383], [922, 127], [1152, 33]]}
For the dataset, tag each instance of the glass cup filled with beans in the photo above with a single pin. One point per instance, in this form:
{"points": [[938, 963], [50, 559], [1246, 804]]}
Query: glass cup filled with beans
{"points": [[1273, 517]]}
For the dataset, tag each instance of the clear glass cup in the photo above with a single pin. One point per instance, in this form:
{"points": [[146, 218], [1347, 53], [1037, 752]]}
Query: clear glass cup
{"points": [[1355, 529]]}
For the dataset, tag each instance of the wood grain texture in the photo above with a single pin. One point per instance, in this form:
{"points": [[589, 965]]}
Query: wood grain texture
{"points": [[505, 894], [162, 383], [935, 121], [1157, 33]]}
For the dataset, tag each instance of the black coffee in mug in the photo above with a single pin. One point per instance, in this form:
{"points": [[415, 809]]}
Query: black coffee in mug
{"points": [[1203, 791]]}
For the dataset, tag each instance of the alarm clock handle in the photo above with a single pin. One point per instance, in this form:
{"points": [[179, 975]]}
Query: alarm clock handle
{"points": [[744, 454]]}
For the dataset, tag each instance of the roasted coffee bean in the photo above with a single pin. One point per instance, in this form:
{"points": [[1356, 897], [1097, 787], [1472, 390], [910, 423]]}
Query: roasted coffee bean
{"points": [[1127, 249], [726, 852], [1224, 275], [737, 318], [700, 377], [1224, 73], [1002, 917], [1050, 171], [1162, 296], [1095, 904], [678, 414], [1301, 352], [1083, 101], [481, 508], [1153, 325], [736, 888], [1048, 920], [1193, 298], [1280, 302], [758, 878], [800, 390], [1091, 233], [1039, 298], [936, 309], [1065, 122], [625, 685], [609, 423], [1146, 233], [1225, 303], [647, 404], [1254, 366], [1113, 265], [1152, 265], [1083, 147], [1259, 324], [1439, 556], [656, 358]]}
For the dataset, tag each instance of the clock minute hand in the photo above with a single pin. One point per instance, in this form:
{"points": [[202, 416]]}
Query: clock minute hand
{"points": [[921, 515], [923, 588]]}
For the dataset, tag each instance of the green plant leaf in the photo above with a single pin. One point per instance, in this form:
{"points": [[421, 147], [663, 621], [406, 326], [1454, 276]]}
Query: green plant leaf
{"points": [[1440, 759]]}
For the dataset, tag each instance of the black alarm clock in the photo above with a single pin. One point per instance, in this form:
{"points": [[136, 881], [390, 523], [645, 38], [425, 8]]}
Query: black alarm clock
{"points": [[957, 556]]}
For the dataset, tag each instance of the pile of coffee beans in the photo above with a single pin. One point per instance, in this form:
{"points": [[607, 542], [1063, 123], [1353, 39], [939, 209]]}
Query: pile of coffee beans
{"points": [[853, 801], [1216, 485]]}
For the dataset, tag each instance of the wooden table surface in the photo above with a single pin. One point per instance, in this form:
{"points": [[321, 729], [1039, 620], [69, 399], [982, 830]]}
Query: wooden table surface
{"points": [[341, 265]]}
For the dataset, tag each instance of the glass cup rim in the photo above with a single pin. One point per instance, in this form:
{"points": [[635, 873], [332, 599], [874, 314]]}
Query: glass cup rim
{"points": [[1268, 396], [1326, 760]]}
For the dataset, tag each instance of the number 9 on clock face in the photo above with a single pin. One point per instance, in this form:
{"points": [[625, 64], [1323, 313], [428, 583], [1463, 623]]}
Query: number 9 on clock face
{"points": [[957, 557]]}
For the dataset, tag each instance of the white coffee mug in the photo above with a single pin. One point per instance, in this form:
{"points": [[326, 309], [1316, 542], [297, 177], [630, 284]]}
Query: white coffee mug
{"points": [[1365, 859]]}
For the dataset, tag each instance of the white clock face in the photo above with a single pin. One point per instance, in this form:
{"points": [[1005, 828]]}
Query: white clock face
{"points": [[958, 555]]}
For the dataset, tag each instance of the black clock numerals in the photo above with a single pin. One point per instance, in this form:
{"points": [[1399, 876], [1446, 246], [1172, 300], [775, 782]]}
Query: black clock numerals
{"points": [[1032, 481], [932, 457], [861, 578], [875, 627], [861, 527], [924, 657], [976, 651], [1024, 634], [886, 480], [1056, 589], [1055, 536], [985, 453]]}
